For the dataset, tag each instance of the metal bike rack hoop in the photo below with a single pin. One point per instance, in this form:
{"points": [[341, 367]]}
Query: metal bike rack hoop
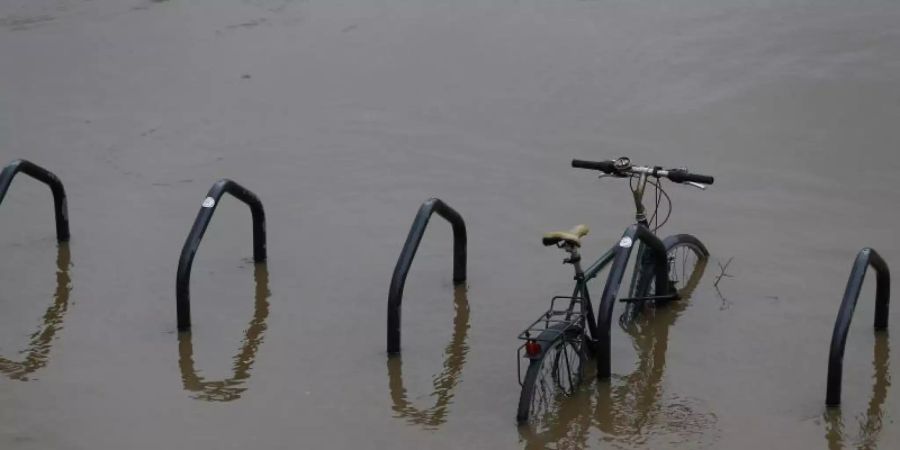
{"points": [[183, 281], [398, 280], [867, 257], [610, 291], [41, 174]]}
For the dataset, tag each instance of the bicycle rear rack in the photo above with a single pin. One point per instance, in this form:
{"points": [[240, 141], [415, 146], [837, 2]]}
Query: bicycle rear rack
{"points": [[552, 324], [41, 174], [866, 257], [555, 321]]}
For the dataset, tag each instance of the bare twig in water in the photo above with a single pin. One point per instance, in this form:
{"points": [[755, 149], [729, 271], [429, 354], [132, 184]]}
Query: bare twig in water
{"points": [[725, 302], [723, 273]]}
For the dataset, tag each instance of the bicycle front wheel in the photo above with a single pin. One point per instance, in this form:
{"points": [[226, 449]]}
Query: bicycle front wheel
{"points": [[686, 257], [551, 376]]}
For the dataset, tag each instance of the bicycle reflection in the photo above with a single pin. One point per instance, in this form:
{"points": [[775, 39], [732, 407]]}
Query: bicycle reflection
{"points": [[231, 388], [444, 384], [38, 351], [871, 422], [629, 409]]}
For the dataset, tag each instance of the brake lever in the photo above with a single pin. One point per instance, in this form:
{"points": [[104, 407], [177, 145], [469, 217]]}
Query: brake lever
{"points": [[612, 175], [702, 187]]}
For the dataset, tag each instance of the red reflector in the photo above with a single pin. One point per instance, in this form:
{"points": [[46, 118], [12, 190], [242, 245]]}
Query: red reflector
{"points": [[532, 348]]}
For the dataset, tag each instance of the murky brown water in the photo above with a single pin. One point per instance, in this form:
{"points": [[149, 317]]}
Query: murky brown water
{"points": [[343, 116]]}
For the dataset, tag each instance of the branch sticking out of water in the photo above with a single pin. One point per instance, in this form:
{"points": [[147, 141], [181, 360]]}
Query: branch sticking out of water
{"points": [[723, 273]]}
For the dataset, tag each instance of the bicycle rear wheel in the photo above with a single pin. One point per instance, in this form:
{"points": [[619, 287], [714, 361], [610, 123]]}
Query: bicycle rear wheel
{"points": [[554, 374], [686, 257]]}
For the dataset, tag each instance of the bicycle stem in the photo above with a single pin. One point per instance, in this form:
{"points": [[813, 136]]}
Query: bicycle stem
{"points": [[638, 192], [640, 216]]}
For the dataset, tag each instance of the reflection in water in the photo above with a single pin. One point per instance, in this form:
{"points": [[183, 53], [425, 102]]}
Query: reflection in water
{"points": [[630, 410], [38, 351], [454, 359], [869, 423], [230, 388]]}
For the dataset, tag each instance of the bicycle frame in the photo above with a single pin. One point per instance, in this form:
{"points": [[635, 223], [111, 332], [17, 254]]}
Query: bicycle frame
{"points": [[577, 329], [599, 325]]}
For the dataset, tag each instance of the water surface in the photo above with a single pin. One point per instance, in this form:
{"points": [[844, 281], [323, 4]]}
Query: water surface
{"points": [[343, 116]]}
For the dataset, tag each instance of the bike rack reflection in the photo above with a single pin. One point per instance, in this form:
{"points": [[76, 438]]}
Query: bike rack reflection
{"points": [[454, 359], [625, 411], [38, 351], [870, 423], [231, 388]]}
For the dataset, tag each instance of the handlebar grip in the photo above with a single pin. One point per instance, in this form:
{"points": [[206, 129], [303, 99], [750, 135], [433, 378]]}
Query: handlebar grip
{"points": [[681, 175], [603, 166]]}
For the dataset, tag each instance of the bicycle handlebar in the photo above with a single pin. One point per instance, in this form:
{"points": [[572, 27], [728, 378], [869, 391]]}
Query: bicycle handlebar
{"points": [[603, 166], [623, 167], [682, 175]]}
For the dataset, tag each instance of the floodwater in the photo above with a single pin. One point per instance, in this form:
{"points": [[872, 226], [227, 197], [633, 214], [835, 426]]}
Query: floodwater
{"points": [[343, 116]]}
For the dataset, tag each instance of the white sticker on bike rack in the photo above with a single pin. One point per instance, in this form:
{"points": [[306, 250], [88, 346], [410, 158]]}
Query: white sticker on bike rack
{"points": [[626, 242], [209, 202]]}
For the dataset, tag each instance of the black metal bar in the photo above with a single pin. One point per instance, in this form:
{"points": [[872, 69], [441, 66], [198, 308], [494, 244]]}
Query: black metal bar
{"points": [[666, 298], [614, 281], [867, 257], [398, 280], [183, 281], [48, 178]]}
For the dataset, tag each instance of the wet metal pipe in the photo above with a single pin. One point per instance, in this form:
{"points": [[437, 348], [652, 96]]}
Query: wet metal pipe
{"points": [[611, 290], [866, 257], [182, 284], [47, 177], [398, 280]]}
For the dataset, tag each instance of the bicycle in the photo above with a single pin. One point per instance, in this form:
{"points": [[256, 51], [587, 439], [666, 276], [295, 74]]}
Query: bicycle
{"points": [[559, 342]]}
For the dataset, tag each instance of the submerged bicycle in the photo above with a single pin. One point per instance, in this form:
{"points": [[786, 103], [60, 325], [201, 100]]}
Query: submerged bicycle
{"points": [[558, 343]]}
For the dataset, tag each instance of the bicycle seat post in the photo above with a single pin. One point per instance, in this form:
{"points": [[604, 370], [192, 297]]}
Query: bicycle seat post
{"points": [[573, 259]]}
